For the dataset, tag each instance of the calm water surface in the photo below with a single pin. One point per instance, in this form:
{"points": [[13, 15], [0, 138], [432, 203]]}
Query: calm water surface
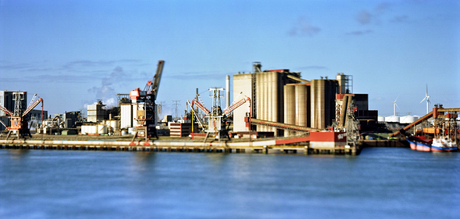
{"points": [[379, 183]]}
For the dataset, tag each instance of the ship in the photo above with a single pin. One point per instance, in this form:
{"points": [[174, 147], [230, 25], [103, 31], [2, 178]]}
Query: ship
{"points": [[443, 144], [443, 134]]}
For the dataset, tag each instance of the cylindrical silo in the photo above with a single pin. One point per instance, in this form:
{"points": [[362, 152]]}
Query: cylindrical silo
{"points": [[260, 100], [270, 99], [313, 99], [321, 103], [301, 105], [322, 93], [289, 106], [274, 100], [266, 96]]}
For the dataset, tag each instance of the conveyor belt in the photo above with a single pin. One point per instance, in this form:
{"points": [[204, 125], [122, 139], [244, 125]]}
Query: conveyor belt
{"points": [[423, 118], [282, 125]]}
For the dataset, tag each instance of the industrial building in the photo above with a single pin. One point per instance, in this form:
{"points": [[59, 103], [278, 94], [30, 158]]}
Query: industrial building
{"points": [[7, 101], [37, 115], [100, 120], [286, 105], [96, 112], [266, 89]]}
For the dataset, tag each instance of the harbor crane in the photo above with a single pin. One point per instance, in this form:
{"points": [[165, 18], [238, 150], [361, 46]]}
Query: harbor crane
{"points": [[19, 118], [216, 115], [144, 100]]}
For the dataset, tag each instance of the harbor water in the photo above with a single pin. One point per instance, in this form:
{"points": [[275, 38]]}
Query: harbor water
{"points": [[379, 183]]}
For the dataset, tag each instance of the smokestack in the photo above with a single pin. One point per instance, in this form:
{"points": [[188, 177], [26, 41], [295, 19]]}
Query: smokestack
{"points": [[227, 88]]}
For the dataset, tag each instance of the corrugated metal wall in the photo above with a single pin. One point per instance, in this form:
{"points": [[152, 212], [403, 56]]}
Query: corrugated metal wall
{"points": [[269, 104]]}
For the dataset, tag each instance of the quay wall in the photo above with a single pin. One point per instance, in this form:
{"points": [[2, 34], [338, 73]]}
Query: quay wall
{"points": [[268, 146]]}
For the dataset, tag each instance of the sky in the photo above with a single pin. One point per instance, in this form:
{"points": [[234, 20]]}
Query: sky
{"points": [[75, 52]]}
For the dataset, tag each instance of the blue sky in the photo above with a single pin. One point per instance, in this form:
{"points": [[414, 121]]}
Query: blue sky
{"points": [[72, 53]]}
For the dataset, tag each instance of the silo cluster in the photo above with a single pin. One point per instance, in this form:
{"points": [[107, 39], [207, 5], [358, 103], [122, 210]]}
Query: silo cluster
{"points": [[268, 98], [296, 105], [281, 96]]}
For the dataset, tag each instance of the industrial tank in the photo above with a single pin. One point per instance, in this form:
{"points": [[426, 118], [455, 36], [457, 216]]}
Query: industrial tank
{"points": [[408, 119], [392, 119], [102, 129]]}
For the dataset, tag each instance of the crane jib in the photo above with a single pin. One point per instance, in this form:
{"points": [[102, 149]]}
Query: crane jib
{"points": [[5, 110], [157, 78], [32, 106]]}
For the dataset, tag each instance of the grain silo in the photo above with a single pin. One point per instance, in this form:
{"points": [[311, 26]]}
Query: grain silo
{"points": [[280, 96], [266, 90], [322, 92], [296, 106], [269, 98], [289, 107], [301, 104]]}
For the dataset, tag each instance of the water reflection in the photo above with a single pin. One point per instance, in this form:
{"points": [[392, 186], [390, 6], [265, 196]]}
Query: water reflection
{"points": [[18, 153], [144, 157], [444, 154], [142, 161], [139, 165], [390, 182], [216, 158]]}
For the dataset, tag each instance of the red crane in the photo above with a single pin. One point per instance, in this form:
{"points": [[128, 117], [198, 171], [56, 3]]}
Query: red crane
{"points": [[146, 107], [216, 123], [19, 119]]}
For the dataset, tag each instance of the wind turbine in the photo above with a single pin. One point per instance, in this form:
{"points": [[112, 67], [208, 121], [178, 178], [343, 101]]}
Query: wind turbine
{"points": [[427, 100], [395, 105]]}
